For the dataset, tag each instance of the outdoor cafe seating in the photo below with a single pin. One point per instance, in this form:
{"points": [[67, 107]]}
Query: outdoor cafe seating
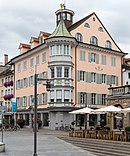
{"points": [[117, 134]]}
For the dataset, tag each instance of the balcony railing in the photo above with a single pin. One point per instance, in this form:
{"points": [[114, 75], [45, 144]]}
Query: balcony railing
{"points": [[121, 90]]}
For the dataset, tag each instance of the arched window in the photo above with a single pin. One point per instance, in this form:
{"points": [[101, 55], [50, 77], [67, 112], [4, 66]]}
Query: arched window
{"points": [[108, 44], [94, 40], [79, 37], [100, 29], [86, 25]]}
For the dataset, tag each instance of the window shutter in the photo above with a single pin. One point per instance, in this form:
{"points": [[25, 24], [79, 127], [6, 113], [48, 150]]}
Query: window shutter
{"points": [[45, 98], [26, 82], [97, 58], [78, 75], [33, 79], [29, 81], [99, 99], [116, 80], [89, 57], [21, 101], [98, 78], [28, 100], [21, 83], [40, 99], [85, 98], [89, 99], [108, 79], [79, 98], [89, 77]]}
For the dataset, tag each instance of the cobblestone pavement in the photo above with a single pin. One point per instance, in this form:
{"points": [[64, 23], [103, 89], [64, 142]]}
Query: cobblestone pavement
{"points": [[20, 143]]}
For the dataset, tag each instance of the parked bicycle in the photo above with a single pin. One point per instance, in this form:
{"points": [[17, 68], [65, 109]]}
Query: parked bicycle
{"points": [[11, 127]]}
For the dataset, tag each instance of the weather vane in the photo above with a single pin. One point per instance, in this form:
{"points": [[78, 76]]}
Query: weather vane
{"points": [[63, 5]]}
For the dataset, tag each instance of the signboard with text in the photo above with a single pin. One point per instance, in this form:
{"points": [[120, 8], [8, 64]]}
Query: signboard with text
{"points": [[14, 105]]}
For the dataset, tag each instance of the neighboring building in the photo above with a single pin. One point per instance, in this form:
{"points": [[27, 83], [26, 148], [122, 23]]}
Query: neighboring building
{"points": [[6, 85], [81, 60], [126, 71], [119, 97]]}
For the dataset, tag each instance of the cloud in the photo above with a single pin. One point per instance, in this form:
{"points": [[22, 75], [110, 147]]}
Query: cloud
{"points": [[19, 20]]}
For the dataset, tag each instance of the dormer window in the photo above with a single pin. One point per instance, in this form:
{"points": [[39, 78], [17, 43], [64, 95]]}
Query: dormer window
{"points": [[86, 25], [100, 29], [41, 40], [108, 44], [79, 37], [94, 40]]}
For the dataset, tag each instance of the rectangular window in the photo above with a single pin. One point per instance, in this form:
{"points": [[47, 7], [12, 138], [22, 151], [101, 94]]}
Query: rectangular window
{"points": [[83, 98], [93, 77], [37, 59], [103, 99], [31, 62], [19, 67], [31, 80], [25, 82], [43, 98], [113, 79], [103, 59], [24, 65], [82, 76], [52, 96], [103, 78], [59, 95], [59, 71], [66, 95], [93, 98], [52, 73], [18, 82], [44, 57], [24, 101], [66, 72], [113, 61], [18, 101], [93, 57], [82, 55]]}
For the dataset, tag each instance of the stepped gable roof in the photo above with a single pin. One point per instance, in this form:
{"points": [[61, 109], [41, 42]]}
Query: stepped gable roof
{"points": [[61, 30]]}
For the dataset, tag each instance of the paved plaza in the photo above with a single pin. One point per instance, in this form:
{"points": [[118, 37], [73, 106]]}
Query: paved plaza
{"points": [[20, 143]]}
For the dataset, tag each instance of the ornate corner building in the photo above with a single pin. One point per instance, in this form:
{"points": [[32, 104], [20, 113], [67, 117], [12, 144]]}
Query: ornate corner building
{"points": [[81, 60]]}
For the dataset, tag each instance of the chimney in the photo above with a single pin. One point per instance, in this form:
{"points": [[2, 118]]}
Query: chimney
{"points": [[5, 58]]}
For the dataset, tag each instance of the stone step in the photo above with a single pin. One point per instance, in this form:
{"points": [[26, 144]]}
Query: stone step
{"points": [[99, 147], [101, 142]]}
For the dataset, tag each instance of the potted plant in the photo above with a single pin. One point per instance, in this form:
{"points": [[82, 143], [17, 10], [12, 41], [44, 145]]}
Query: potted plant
{"points": [[5, 97], [127, 128], [21, 122]]}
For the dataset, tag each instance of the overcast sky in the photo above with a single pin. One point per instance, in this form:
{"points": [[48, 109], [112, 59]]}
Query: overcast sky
{"points": [[19, 20]]}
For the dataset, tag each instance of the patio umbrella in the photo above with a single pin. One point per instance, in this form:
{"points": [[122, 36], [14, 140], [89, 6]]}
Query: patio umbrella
{"points": [[85, 110], [126, 110], [110, 108]]}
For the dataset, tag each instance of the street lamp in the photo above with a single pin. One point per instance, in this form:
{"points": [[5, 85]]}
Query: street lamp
{"points": [[36, 79]]}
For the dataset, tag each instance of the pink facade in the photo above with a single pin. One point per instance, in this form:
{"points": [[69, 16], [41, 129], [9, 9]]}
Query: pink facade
{"points": [[81, 65]]}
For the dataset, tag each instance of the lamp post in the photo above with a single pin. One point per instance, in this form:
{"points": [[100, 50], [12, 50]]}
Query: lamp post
{"points": [[36, 79], [35, 115]]}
